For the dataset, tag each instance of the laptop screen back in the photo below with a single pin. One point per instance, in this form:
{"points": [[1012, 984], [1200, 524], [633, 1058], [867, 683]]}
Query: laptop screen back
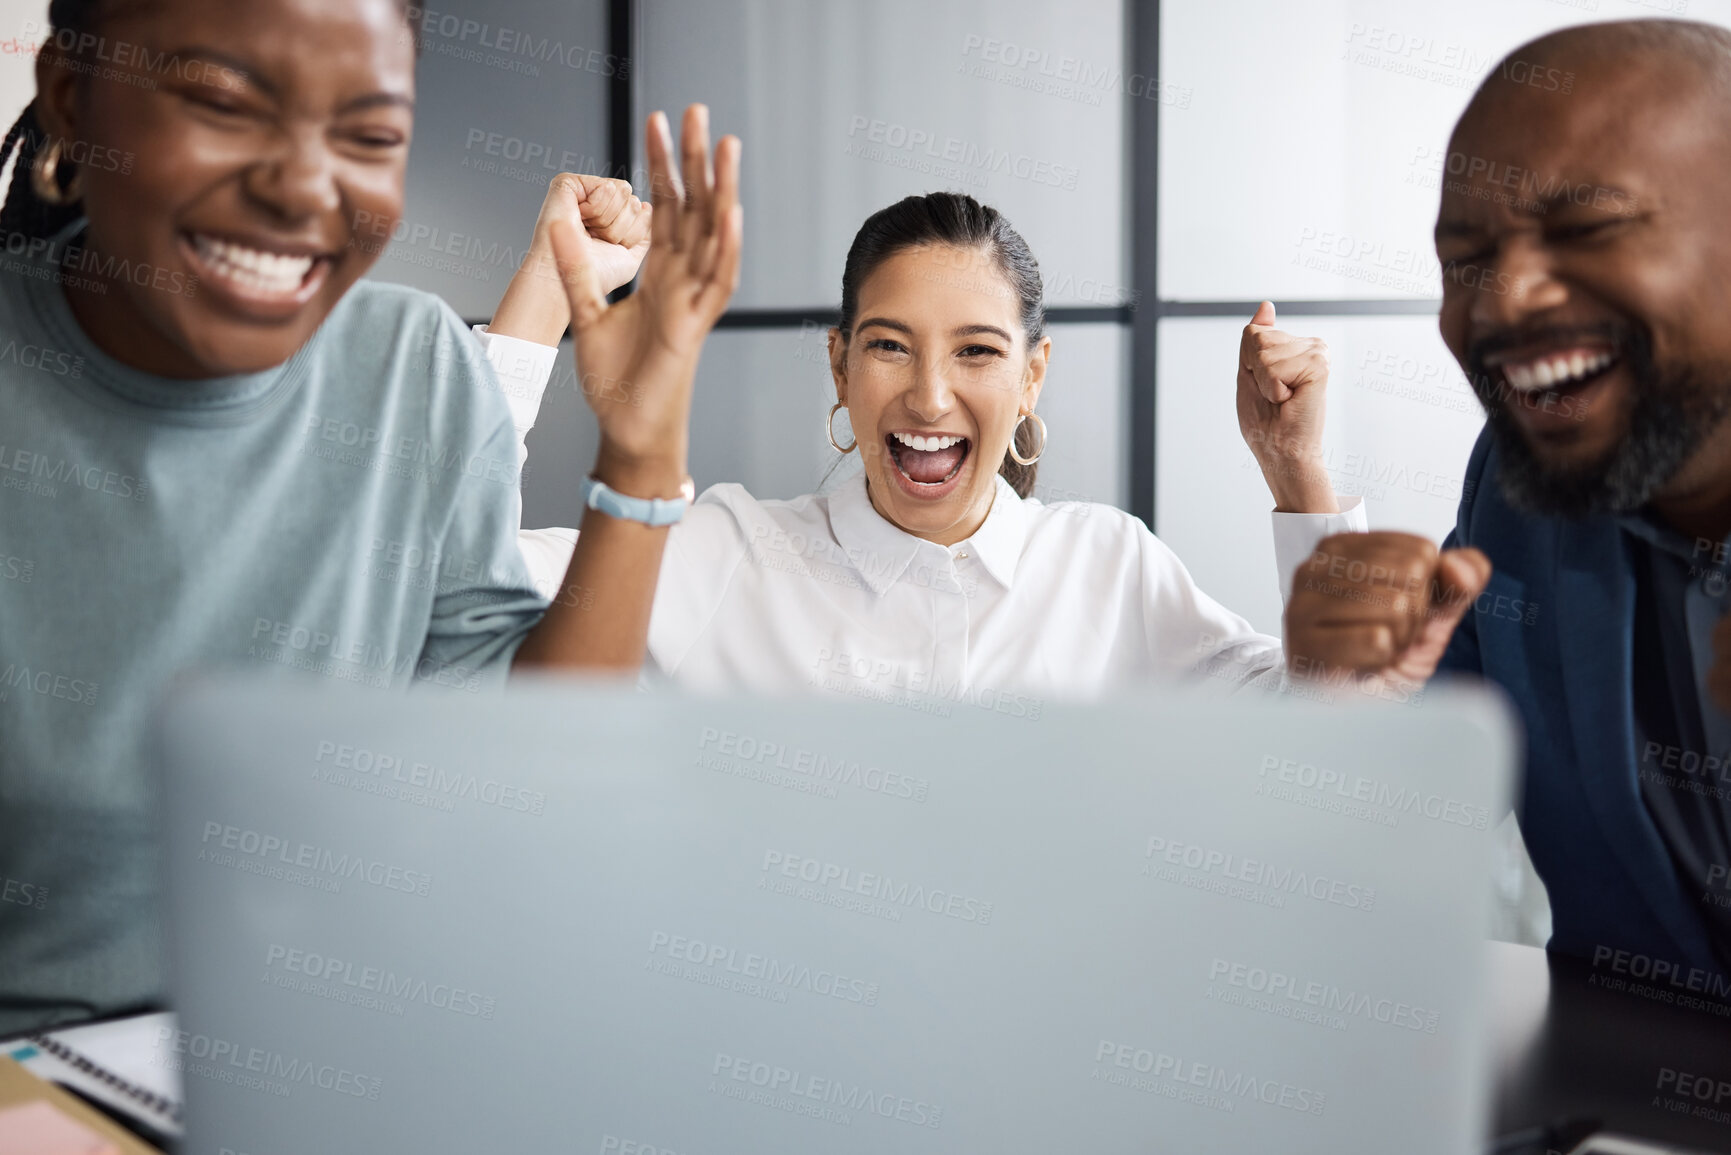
{"points": [[598, 921]]}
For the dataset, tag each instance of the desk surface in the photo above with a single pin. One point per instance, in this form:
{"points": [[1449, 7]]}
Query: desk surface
{"points": [[1568, 1045]]}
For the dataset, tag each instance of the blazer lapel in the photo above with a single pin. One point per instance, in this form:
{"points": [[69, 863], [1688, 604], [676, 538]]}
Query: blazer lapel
{"points": [[1595, 617]]}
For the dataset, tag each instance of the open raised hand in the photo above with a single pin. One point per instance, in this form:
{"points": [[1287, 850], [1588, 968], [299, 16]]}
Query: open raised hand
{"points": [[636, 359]]}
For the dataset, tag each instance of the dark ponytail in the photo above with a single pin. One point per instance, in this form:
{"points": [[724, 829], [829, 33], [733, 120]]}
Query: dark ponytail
{"points": [[953, 219]]}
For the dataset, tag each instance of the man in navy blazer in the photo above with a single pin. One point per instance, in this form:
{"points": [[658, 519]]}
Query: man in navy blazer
{"points": [[1584, 235]]}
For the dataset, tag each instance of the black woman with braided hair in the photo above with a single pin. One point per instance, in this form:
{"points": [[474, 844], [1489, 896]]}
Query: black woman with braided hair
{"points": [[222, 449]]}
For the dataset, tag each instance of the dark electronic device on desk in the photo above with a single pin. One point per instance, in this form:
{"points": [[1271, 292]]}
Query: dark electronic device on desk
{"points": [[1580, 1137]]}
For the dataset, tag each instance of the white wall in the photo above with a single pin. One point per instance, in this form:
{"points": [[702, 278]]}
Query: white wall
{"points": [[1315, 129], [831, 98], [17, 62]]}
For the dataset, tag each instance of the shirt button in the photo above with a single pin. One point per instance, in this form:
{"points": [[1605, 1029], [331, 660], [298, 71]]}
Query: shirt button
{"points": [[963, 555]]}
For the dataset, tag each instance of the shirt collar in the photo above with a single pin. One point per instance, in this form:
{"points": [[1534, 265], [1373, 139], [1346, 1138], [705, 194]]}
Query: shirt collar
{"points": [[882, 552], [877, 549], [1642, 525], [1000, 541]]}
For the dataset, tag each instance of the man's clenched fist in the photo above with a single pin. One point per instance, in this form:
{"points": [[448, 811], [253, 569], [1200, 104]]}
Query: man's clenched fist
{"points": [[1379, 603]]}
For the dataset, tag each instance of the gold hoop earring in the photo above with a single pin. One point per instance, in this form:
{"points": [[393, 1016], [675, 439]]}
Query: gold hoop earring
{"points": [[1018, 458], [45, 176], [829, 431]]}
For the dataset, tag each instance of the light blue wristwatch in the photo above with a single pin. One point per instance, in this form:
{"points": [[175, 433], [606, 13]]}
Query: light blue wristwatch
{"points": [[598, 495]]}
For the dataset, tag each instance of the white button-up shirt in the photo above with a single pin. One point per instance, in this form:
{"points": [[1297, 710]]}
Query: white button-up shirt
{"points": [[822, 594]]}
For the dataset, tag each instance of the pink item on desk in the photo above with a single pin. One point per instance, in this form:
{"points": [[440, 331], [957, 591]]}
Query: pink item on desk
{"points": [[40, 1128]]}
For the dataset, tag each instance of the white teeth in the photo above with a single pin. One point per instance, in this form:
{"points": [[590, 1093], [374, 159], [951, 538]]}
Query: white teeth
{"points": [[253, 269], [925, 444], [1552, 371]]}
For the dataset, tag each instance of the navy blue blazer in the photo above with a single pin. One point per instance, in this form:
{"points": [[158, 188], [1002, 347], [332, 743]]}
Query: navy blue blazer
{"points": [[1554, 628]]}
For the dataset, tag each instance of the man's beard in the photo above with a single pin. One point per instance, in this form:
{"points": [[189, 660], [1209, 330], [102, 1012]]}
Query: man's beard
{"points": [[1671, 415]]}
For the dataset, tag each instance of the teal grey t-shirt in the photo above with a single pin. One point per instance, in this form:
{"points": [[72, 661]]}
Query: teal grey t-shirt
{"points": [[351, 514]]}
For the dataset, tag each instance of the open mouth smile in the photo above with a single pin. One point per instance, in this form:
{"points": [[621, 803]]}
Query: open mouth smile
{"points": [[1552, 388], [927, 466], [266, 281], [1557, 370]]}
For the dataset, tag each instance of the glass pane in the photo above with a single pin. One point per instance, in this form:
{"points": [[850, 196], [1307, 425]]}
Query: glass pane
{"points": [[1401, 423], [508, 93], [846, 108], [1301, 145], [23, 33]]}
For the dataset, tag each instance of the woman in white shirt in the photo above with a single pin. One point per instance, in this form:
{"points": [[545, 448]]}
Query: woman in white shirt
{"points": [[931, 576]]}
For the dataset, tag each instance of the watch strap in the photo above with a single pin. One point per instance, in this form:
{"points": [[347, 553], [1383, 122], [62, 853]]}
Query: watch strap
{"points": [[651, 511]]}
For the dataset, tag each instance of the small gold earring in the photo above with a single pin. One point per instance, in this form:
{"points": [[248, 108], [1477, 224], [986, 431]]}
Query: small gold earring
{"points": [[45, 176]]}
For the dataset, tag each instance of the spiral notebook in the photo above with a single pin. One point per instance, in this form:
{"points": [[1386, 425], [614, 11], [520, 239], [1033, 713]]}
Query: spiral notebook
{"points": [[117, 1063]]}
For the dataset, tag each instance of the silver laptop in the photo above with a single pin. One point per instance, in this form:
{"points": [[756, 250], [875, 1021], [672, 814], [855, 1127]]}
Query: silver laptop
{"points": [[589, 920]]}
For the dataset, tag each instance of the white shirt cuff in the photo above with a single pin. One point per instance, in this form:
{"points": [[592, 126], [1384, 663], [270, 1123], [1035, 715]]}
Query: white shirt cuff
{"points": [[523, 368], [547, 553], [1296, 536]]}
